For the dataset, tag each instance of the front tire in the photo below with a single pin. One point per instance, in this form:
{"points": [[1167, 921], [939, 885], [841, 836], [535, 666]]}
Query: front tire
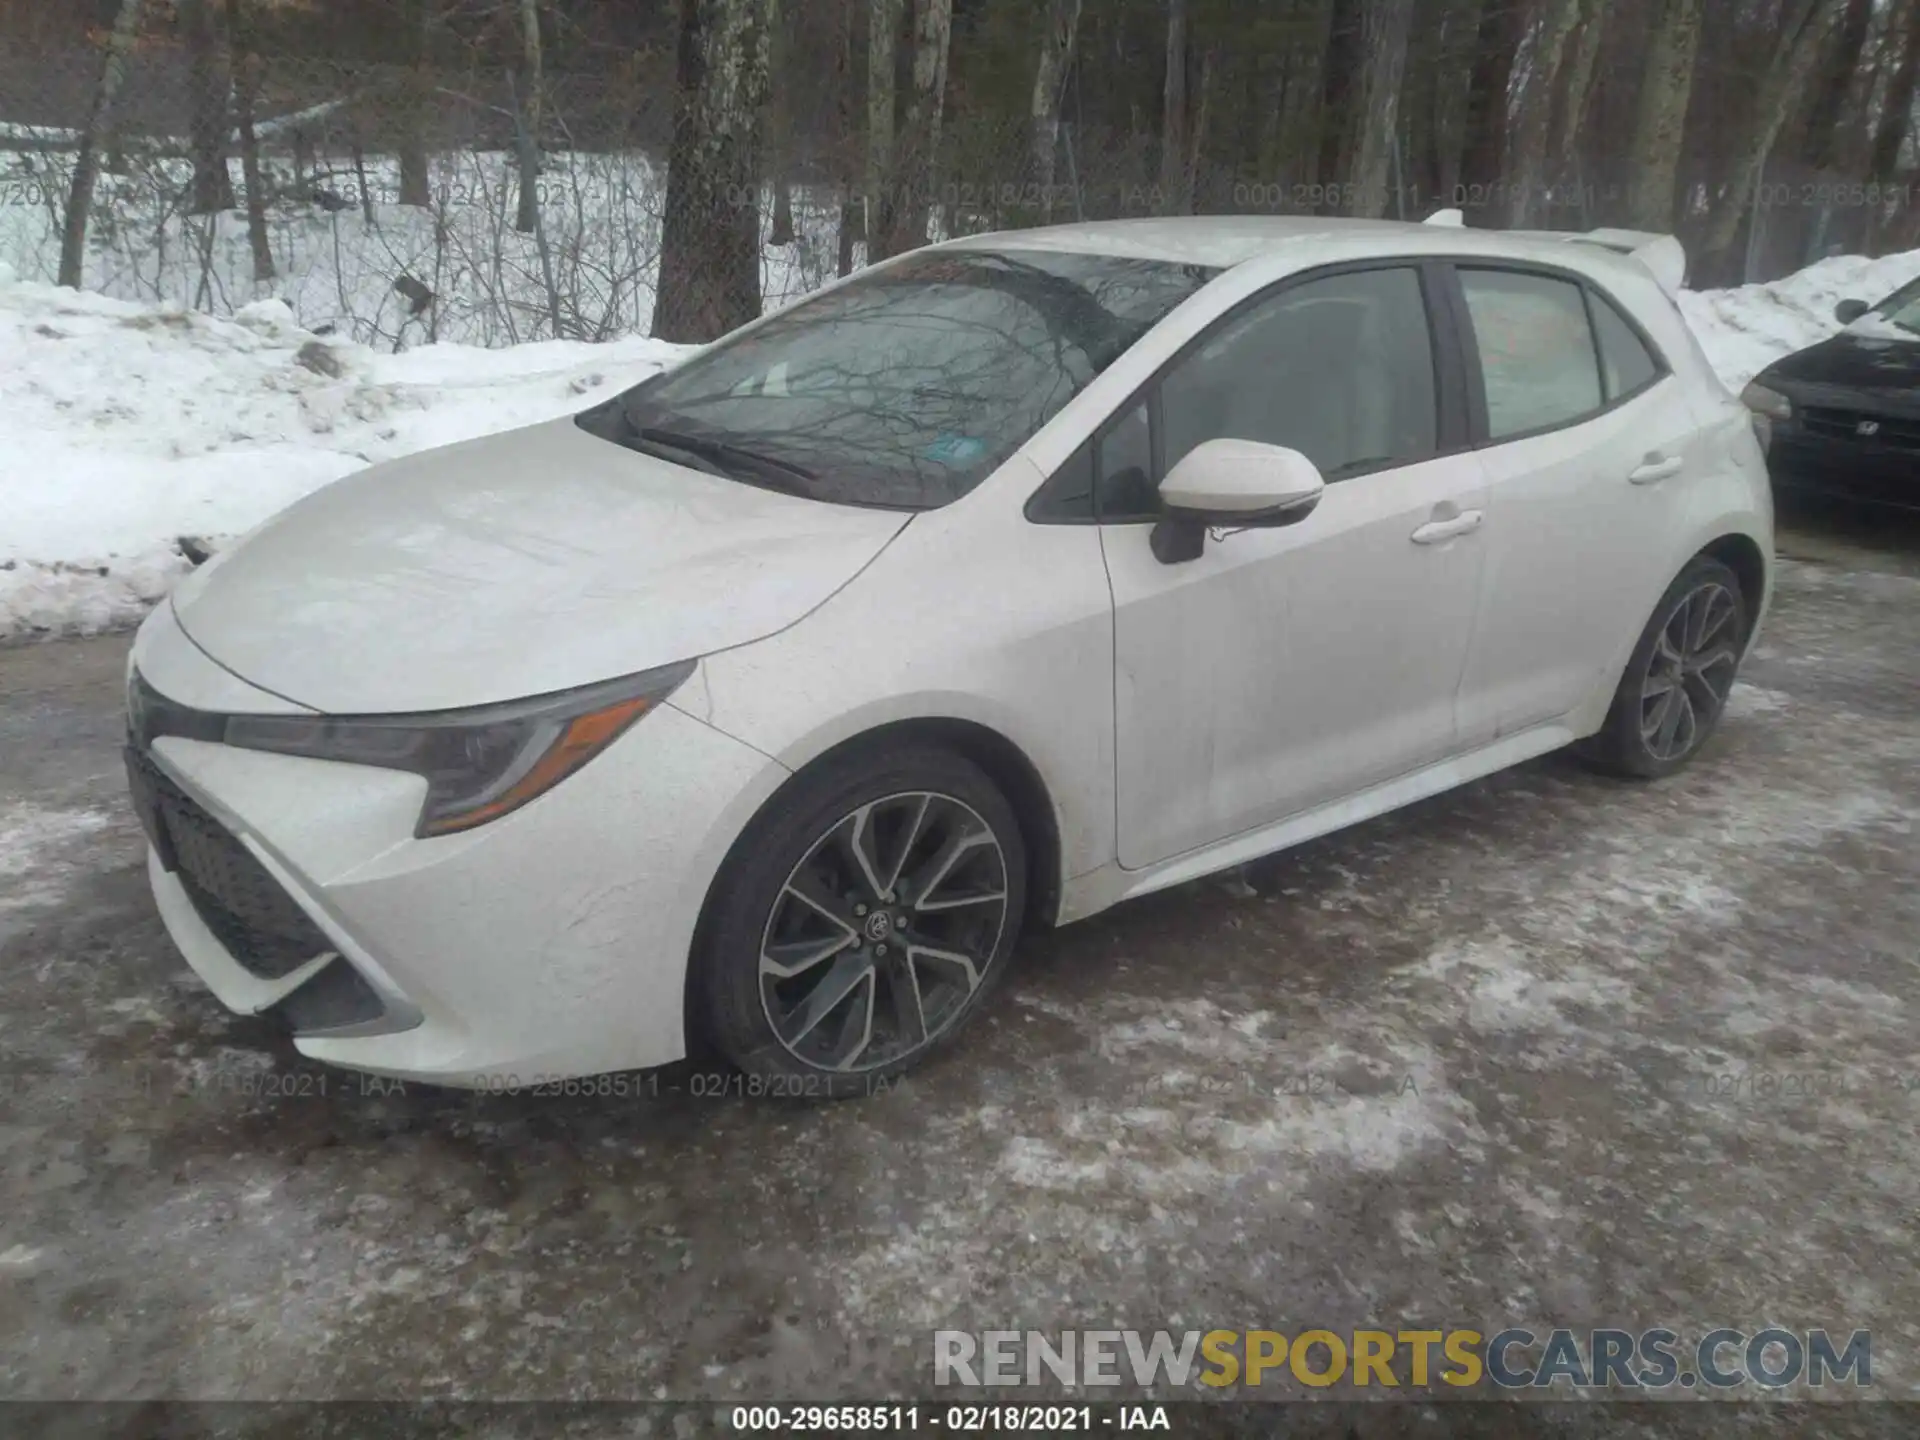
{"points": [[861, 921], [1675, 687]]}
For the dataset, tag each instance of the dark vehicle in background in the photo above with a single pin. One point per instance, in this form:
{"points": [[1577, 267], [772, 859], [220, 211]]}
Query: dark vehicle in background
{"points": [[1842, 418]]}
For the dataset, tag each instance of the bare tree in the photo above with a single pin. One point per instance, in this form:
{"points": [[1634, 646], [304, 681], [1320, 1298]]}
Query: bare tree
{"points": [[781, 149], [1502, 27], [212, 186], [710, 237], [1526, 174], [846, 106], [916, 146], [1450, 92], [1385, 25], [1802, 37], [1297, 126], [1059, 20], [883, 62], [1175, 189], [86, 167], [528, 117], [1571, 122], [1896, 116], [1666, 90], [1822, 141], [416, 180], [246, 67]]}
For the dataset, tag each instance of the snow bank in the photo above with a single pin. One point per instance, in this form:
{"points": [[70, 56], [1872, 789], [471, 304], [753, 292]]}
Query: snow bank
{"points": [[1748, 328], [127, 427]]}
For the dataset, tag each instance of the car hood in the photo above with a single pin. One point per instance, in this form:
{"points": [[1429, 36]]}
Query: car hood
{"points": [[1877, 364], [514, 565]]}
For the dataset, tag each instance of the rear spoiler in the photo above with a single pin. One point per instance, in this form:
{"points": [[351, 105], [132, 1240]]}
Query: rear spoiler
{"points": [[1662, 255]]}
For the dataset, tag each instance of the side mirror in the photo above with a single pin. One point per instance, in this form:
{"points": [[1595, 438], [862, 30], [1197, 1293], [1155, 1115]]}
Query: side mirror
{"points": [[1848, 311], [1239, 483]]}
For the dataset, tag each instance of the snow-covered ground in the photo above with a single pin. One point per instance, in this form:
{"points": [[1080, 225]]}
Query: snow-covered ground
{"points": [[127, 425]]}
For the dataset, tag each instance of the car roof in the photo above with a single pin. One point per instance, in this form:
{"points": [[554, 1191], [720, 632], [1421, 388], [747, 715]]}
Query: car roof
{"points": [[1224, 241]]}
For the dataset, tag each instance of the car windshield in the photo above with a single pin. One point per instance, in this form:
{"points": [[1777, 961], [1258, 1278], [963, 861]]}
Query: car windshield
{"points": [[1902, 309], [906, 388]]}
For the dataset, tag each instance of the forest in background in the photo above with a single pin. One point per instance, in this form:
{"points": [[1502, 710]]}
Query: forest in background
{"points": [[1766, 133]]}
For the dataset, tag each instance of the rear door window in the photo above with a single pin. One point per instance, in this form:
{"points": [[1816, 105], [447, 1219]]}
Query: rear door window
{"points": [[1538, 357]]}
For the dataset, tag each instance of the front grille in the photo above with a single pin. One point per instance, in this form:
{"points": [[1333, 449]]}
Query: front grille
{"points": [[1891, 431], [337, 996], [244, 906]]}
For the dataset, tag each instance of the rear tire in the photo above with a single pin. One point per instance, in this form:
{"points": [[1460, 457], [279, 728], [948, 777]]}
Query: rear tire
{"points": [[861, 922], [1675, 686]]}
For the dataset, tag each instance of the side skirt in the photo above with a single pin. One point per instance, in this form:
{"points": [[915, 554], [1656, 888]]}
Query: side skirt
{"points": [[1088, 894]]}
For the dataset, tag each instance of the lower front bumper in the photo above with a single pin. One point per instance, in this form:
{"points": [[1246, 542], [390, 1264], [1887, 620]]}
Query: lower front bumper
{"points": [[550, 944], [232, 984], [1862, 474]]}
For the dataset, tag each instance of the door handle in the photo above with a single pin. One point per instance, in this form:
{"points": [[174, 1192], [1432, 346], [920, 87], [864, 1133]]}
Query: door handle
{"points": [[1434, 531], [1655, 469]]}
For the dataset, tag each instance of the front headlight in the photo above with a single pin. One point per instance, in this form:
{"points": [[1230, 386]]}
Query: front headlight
{"points": [[1768, 408], [479, 764], [1763, 400]]}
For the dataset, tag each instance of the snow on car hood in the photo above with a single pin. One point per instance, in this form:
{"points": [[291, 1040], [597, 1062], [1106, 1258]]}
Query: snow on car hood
{"points": [[514, 565]]}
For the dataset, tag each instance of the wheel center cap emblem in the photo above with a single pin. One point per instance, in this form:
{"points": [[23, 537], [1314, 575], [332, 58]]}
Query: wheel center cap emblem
{"points": [[879, 925]]}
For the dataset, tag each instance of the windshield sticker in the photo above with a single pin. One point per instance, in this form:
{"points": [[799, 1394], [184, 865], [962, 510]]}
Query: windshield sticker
{"points": [[955, 449]]}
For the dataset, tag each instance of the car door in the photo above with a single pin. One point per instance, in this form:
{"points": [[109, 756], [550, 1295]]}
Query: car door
{"points": [[1285, 667], [1585, 435]]}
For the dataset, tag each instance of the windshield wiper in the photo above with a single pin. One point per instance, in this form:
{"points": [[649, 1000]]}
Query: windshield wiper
{"points": [[779, 474]]}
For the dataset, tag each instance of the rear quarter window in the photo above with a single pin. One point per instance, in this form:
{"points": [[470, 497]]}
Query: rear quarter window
{"points": [[1626, 364]]}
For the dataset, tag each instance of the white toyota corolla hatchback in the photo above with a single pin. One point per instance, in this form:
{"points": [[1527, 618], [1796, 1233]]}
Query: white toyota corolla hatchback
{"points": [[772, 699]]}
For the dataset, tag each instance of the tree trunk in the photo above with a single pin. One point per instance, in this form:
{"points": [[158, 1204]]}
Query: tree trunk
{"points": [[1297, 140], [1202, 99], [1571, 125], [212, 186], [416, 179], [1502, 27], [1340, 83], [1666, 88], [883, 103], [917, 144], [86, 165], [1891, 133], [782, 231], [247, 71], [1385, 26], [1452, 92], [530, 109], [1820, 142], [847, 105], [1526, 175], [1174, 199], [1802, 39], [359, 157], [710, 237], [1060, 19]]}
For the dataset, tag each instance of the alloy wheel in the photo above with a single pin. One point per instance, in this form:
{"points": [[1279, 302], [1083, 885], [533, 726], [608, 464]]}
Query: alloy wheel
{"points": [[1690, 672], [883, 932]]}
